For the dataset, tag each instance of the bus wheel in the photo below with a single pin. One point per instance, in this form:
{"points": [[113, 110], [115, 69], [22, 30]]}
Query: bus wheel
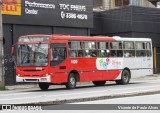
{"points": [[71, 84], [125, 78], [99, 83], [43, 86]]}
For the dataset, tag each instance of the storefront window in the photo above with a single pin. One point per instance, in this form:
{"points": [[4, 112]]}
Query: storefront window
{"points": [[119, 3], [135, 2], [97, 3]]}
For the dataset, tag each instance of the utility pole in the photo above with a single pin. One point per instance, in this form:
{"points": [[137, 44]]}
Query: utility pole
{"points": [[2, 83]]}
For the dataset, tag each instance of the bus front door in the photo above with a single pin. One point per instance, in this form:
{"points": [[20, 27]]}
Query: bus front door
{"points": [[57, 61]]}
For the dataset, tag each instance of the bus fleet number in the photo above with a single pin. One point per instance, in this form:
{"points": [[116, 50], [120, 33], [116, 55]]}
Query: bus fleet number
{"points": [[74, 61]]}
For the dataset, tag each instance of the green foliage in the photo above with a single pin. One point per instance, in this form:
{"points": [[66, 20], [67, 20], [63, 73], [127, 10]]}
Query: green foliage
{"points": [[2, 88]]}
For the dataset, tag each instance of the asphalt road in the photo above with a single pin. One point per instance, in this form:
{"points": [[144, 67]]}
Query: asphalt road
{"points": [[145, 102], [140, 102], [145, 99], [83, 92]]}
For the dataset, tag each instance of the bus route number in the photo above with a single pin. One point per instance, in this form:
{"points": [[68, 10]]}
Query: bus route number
{"points": [[74, 61]]}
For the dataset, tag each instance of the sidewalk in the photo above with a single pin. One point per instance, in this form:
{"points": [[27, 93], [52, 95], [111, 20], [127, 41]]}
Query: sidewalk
{"points": [[148, 77], [22, 86], [34, 85]]}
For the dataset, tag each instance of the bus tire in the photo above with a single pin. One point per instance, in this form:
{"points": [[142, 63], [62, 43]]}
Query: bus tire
{"points": [[125, 78], [99, 83], [43, 86], [71, 84]]}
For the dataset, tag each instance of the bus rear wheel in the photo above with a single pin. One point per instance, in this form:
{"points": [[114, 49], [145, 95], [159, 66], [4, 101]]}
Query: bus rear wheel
{"points": [[43, 86], [125, 78], [71, 84], [99, 83]]}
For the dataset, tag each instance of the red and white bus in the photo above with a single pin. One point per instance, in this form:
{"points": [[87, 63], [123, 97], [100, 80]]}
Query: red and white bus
{"points": [[61, 59]]}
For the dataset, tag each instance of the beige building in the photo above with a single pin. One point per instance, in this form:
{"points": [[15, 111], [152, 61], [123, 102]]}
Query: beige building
{"points": [[158, 5], [111, 4]]}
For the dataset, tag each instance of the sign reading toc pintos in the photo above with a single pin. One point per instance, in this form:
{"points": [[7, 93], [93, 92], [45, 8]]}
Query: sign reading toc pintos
{"points": [[11, 7]]}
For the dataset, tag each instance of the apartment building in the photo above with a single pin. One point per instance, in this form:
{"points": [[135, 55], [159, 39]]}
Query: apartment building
{"points": [[112, 4]]}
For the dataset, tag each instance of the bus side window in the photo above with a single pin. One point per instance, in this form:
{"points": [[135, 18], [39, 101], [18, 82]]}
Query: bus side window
{"points": [[129, 49], [148, 49], [72, 53], [113, 53], [103, 49], [90, 49], [116, 49], [57, 54], [80, 53], [94, 53], [140, 49], [119, 53], [75, 49], [101, 53]]}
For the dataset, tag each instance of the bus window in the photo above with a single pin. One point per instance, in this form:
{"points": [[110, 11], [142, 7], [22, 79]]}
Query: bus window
{"points": [[75, 49], [90, 53], [57, 54], [116, 49], [113, 53], [116, 45], [90, 49], [119, 53], [140, 49], [32, 55], [72, 53], [80, 53], [129, 50], [103, 50], [148, 49]]}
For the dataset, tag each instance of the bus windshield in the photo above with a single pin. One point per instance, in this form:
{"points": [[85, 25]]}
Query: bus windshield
{"points": [[32, 55]]}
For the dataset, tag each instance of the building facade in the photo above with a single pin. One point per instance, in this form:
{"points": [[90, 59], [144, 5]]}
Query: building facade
{"points": [[129, 18], [100, 5], [24, 17], [131, 21]]}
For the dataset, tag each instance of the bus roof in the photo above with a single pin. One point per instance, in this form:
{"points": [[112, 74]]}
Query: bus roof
{"points": [[100, 38], [131, 39], [82, 38]]}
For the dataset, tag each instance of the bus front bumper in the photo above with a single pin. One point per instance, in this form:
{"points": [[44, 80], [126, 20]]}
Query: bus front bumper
{"points": [[35, 79]]}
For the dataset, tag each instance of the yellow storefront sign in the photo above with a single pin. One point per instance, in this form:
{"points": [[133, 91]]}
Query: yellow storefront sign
{"points": [[11, 7]]}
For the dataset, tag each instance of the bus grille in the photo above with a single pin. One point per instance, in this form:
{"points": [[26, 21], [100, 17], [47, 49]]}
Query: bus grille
{"points": [[31, 80]]}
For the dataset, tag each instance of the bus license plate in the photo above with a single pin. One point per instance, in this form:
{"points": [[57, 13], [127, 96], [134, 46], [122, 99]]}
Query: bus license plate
{"points": [[43, 79]]}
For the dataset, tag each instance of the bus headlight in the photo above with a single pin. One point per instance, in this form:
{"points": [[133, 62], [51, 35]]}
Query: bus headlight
{"points": [[43, 75]]}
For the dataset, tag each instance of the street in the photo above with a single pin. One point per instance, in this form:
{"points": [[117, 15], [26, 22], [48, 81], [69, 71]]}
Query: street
{"points": [[145, 99], [83, 92], [139, 91]]}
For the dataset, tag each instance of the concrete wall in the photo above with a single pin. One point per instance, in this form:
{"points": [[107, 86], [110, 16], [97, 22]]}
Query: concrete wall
{"points": [[129, 21]]}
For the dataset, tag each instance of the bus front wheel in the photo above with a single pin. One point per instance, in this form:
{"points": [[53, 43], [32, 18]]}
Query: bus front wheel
{"points": [[71, 84], [125, 78], [99, 83], [43, 86]]}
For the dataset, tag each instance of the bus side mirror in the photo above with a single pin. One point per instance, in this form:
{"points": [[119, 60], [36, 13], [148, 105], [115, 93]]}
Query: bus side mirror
{"points": [[12, 50]]}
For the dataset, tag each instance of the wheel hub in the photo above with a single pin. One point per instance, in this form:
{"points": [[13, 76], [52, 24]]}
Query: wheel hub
{"points": [[72, 81]]}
